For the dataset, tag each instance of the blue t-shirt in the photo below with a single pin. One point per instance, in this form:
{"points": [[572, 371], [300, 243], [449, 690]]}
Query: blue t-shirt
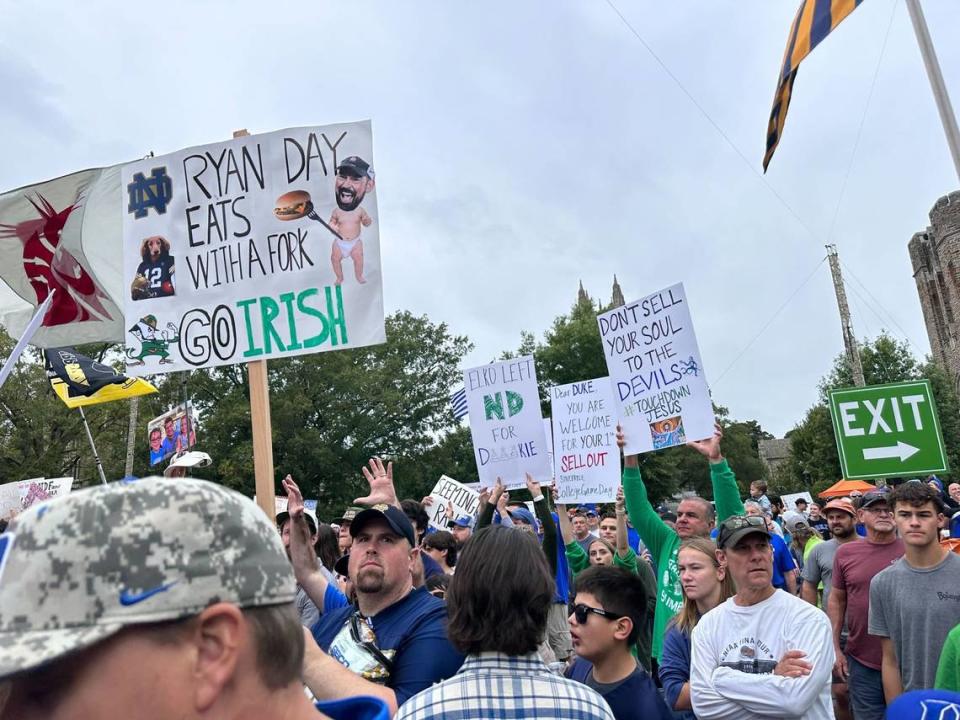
{"points": [[782, 562], [636, 698], [169, 445], [674, 668], [430, 567], [333, 598], [633, 539], [411, 634]]}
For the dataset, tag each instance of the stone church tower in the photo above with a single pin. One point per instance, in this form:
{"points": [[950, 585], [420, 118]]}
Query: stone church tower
{"points": [[935, 256], [616, 296]]}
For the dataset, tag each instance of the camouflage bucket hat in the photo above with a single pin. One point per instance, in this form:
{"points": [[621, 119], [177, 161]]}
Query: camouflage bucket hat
{"points": [[79, 568]]}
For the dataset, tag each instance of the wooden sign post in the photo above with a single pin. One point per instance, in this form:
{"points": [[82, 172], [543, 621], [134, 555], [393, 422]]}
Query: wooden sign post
{"points": [[262, 429]]}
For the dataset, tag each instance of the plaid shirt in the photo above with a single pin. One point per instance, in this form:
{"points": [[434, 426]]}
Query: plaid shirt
{"points": [[494, 686]]}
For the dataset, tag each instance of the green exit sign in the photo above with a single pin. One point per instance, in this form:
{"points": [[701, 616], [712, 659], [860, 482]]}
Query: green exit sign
{"points": [[888, 430]]}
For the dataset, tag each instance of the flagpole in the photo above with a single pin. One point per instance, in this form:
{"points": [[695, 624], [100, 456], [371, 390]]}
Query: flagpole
{"points": [[937, 84], [103, 477], [131, 435], [35, 322]]}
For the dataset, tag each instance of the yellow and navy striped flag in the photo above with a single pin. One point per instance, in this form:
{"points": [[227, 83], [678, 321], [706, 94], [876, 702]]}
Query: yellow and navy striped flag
{"points": [[814, 21]]}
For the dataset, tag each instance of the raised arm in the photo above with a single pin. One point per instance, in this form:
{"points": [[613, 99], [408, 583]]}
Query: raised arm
{"points": [[542, 509], [566, 529], [485, 517], [623, 544], [653, 531], [305, 566], [726, 492]]}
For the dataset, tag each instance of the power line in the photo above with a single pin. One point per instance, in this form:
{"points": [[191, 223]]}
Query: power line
{"points": [[890, 316], [710, 120], [769, 322], [863, 118], [762, 177]]}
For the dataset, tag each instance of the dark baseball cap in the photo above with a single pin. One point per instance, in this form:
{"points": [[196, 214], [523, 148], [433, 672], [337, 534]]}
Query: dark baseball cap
{"points": [[395, 517], [880, 494], [348, 515], [737, 527], [355, 166], [340, 567]]}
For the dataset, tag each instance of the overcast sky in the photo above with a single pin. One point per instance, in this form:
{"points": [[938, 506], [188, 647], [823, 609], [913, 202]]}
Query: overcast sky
{"points": [[521, 147]]}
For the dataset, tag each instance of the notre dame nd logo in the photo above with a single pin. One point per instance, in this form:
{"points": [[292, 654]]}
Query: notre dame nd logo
{"points": [[149, 192]]}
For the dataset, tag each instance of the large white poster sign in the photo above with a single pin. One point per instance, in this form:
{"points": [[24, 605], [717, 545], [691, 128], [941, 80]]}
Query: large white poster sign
{"points": [[464, 501], [15, 497], [263, 246], [506, 424], [656, 372], [586, 461]]}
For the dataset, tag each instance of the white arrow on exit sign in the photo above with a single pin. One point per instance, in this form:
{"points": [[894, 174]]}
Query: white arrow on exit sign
{"points": [[901, 450]]}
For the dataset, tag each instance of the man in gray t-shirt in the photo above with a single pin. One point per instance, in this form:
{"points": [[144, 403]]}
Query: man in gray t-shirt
{"points": [[915, 602], [842, 521]]}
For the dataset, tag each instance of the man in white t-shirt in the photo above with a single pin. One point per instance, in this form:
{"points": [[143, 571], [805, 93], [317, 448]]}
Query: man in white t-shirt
{"points": [[763, 652]]}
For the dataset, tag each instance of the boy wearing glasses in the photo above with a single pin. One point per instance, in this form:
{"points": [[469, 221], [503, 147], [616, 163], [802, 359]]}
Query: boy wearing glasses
{"points": [[854, 566], [763, 652], [608, 612]]}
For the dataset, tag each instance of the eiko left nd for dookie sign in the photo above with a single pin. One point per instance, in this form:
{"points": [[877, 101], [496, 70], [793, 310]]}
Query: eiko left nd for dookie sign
{"points": [[259, 247]]}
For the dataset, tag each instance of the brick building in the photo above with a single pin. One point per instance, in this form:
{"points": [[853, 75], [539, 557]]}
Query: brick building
{"points": [[935, 256]]}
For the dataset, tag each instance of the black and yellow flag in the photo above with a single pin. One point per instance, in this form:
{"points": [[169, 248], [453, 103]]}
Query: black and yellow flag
{"points": [[814, 21], [79, 380]]}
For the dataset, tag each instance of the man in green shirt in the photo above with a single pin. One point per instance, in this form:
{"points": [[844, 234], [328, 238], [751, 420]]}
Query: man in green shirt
{"points": [[695, 517]]}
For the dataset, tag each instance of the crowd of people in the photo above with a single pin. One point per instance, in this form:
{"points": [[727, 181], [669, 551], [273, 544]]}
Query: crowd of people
{"points": [[176, 598]]}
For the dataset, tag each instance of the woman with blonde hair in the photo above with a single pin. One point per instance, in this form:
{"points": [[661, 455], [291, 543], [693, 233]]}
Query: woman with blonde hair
{"points": [[705, 585]]}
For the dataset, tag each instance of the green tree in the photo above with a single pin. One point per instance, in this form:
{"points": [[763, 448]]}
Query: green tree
{"points": [[571, 350], [332, 411], [884, 360], [814, 463], [40, 436]]}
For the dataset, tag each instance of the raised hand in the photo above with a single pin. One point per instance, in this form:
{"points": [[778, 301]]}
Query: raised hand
{"points": [[294, 497], [709, 448], [555, 494], [628, 460], [380, 479], [427, 501], [448, 511], [484, 496], [533, 486], [620, 505]]}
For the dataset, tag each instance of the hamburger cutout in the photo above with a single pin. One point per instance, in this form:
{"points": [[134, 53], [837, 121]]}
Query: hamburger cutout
{"points": [[293, 205]]}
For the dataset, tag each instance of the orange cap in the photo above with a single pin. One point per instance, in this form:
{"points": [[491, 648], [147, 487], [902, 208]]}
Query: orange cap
{"points": [[840, 504]]}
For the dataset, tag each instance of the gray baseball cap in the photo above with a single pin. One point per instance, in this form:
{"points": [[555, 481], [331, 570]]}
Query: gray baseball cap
{"points": [[77, 569]]}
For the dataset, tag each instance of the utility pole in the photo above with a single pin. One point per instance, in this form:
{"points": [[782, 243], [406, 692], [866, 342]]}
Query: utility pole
{"points": [[939, 88], [849, 339]]}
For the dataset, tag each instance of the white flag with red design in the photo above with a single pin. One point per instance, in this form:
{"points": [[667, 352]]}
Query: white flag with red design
{"points": [[63, 234]]}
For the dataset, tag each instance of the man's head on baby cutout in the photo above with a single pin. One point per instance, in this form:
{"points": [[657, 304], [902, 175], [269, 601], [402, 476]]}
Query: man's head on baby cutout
{"points": [[354, 181]]}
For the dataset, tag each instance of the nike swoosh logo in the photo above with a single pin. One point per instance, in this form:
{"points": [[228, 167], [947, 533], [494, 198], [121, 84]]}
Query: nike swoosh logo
{"points": [[129, 598]]}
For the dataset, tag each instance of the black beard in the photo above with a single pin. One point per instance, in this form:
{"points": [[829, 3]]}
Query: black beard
{"points": [[353, 205]]}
